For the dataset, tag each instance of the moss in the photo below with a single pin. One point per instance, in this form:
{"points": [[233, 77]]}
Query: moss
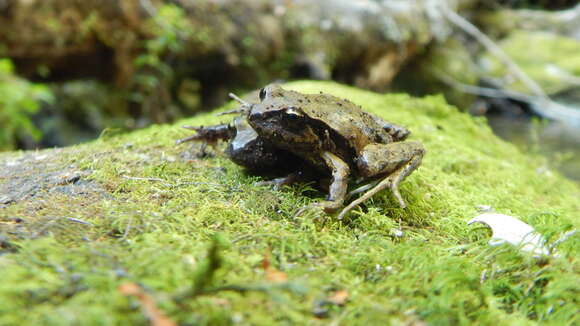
{"points": [[157, 232]]}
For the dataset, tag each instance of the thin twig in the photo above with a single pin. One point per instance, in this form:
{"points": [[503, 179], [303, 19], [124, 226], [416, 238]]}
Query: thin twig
{"points": [[544, 107], [482, 91], [539, 101], [167, 184], [562, 238], [493, 48], [149, 7], [76, 220], [143, 179]]}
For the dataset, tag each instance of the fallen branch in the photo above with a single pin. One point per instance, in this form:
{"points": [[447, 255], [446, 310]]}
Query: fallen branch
{"points": [[543, 107], [539, 102]]}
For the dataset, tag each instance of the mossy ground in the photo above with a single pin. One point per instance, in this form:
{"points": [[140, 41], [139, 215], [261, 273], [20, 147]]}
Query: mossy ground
{"points": [[157, 232]]}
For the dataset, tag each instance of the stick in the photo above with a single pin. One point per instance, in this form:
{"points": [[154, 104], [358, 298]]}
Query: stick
{"points": [[472, 30]]}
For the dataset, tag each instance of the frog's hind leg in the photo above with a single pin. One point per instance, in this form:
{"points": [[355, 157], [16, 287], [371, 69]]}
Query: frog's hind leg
{"points": [[362, 189], [395, 160]]}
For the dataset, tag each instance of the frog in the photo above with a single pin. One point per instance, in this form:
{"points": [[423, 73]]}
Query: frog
{"points": [[332, 136]]}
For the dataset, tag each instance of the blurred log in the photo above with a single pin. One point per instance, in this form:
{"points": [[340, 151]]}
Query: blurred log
{"points": [[70, 39], [360, 42]]}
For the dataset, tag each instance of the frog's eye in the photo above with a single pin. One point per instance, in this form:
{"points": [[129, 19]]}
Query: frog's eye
{"points": [[262, 94], [294, 111]]}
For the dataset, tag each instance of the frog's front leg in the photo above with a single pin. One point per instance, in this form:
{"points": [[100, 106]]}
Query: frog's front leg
{"points": [[339, 183], [338, 187], [394, 161], [209, 134]]}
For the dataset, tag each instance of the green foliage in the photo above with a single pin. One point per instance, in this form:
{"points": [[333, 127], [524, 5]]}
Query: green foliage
{"points": [[170, 30], [19, 100], [165, 207]]}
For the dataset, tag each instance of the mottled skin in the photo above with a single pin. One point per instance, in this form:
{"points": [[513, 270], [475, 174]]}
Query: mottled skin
{"points": [[335, 137]]}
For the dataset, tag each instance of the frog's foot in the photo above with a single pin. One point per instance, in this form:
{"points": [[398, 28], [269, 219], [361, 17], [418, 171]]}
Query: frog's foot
{"points": [[326, 206], [407, 157], [386, 182]]}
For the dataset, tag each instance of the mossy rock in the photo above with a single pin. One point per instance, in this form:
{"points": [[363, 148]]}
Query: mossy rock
{"points": [[148, 209], [448, 59], [547, 58]]}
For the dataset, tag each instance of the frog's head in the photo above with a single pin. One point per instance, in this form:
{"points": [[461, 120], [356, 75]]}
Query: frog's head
{"points": [[279, 116]]}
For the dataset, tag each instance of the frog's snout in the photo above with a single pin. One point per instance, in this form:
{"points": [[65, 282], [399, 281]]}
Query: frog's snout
{"points": [[255, 115]]}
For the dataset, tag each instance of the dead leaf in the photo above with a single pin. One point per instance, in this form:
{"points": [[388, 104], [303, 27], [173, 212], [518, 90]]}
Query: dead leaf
{"points": [[272, 274], [508, 229], [339, 297], [148, 304], [323, 307]]}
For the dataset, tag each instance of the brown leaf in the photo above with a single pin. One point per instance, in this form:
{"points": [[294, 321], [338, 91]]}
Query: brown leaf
{"points": [[148, 304], [272, 274], [339, 297]]}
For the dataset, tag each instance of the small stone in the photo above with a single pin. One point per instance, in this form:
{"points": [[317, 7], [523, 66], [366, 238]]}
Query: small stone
{"points": [[484, 208], [397, 233]]}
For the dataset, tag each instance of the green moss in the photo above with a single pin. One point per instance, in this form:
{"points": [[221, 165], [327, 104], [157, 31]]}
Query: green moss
{"points": [[157, 232]]}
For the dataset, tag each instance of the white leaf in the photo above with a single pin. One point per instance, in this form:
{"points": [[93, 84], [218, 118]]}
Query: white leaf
{"points": [[508, 229]]}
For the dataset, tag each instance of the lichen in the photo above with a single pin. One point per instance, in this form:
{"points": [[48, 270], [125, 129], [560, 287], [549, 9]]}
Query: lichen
{"points": [[166, 205]]}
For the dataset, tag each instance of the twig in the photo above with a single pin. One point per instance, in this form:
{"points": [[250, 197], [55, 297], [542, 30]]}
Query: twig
{"points": [[472, 30], [259, 287], [563, 74], [76, 220], [561, 239], [149, 7], [539, 101], [149, 306], [140, 178], [544, 107], [167, 184], [482, 91]]}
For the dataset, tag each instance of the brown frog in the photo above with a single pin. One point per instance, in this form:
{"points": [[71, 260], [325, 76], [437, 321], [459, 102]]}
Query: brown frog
{"points": [[326, 133]]}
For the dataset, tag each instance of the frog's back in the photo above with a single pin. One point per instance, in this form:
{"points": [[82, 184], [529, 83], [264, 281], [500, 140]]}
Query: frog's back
{"points": [[348, 120]]}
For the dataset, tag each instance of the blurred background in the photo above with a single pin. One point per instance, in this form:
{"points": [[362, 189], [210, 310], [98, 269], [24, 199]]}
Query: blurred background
{"points": [[72, 69]]}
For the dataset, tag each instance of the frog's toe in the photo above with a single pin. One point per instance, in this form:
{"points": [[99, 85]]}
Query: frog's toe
{"points": [[315, 208], [395, 190]]}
